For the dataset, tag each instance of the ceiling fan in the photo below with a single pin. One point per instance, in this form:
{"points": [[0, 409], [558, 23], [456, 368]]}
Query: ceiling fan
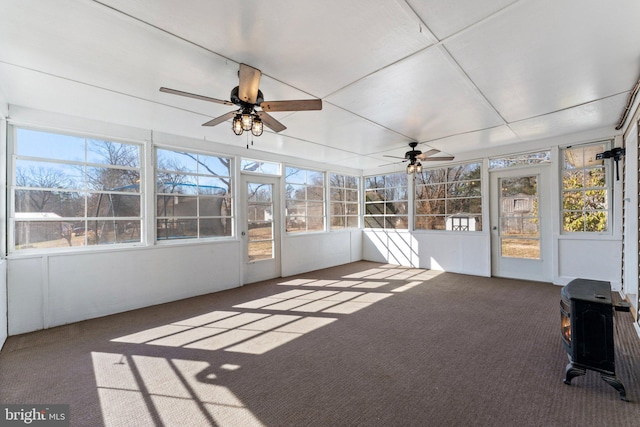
{"points": [[248, 96], [414, 157]]}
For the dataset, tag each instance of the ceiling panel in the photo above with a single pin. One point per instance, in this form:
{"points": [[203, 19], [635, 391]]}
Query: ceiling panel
{"points": [[504, 72], [543, 56], [325, 45], [445, 18], [423, 97]]}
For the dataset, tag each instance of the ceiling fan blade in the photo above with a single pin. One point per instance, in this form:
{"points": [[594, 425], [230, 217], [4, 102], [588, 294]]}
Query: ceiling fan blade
{"points": [[438, 159], [193, 95], [394, 157], [293, 105], [270, 122], [249, 83], [427, 154], [222, 118]]}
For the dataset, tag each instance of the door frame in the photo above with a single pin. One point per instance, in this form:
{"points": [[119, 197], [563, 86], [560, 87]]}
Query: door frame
{"points": [[519, 268], [255, 271]]}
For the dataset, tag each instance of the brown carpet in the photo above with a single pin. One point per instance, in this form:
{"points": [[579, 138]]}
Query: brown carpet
{"points": [[363, 344]]}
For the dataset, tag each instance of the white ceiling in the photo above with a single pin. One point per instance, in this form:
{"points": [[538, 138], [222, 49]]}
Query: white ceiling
{"points": [[456, 75]]}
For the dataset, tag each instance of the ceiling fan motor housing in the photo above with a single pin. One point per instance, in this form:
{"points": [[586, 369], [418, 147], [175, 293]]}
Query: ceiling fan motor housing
{"points": [[235, 98]]}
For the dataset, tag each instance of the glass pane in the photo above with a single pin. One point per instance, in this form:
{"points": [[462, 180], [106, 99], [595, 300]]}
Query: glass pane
{"points": [[35, 204], [213, 206], [351, 182], [352, 208], [177, 183], [374, 195], [573, 200], [315, 223], [50, 145], [520, 248], [259, 192], [175, 206], [397, 222], [112, 205], [43, 234], [315, 178], [351, 195], [430, 207], [572, 221], [260, 230], [519, 226], [336, 194], [519, 186], [295, 176], [372, 182], [296, 192], [352, 222], [338, 222], [374, 208], [338, 208], [430, 222], [177, 229], [49, 175], [260, 211], [213, 165], [315, 209], [113, 153], [260, 250], [113, 179], [315, 193], [215, 227], [374, 221], [213, 186], [176, 161], [596, 221], [260, 167], [596, 177], [573, 178], [296, 223]]}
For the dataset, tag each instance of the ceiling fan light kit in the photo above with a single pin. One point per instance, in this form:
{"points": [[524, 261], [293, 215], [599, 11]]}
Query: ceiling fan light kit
{"points": [[248, 97]]}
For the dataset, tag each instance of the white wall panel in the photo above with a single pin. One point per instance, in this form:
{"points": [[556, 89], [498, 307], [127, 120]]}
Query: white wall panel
{"points": [[590, 259], [25, 295], [452, 252], [65, 288], [309, 252], [4, 330]]}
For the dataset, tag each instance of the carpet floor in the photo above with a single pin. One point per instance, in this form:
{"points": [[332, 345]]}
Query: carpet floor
{"points": [[364, 344]]}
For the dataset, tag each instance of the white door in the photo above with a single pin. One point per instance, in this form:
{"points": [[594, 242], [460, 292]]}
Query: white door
{"points": [[521, 224], [261, 230]]}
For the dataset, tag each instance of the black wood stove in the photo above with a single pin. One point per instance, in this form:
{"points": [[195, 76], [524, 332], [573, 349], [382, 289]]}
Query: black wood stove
{"points": [[586, 312]]}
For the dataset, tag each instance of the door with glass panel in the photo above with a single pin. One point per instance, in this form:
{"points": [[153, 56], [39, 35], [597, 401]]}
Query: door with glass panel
{"points": [[520, 224], [261, 229]]}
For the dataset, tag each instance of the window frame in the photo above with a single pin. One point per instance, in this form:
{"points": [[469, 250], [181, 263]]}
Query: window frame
{"points": [[386, 219], [76, 226], [344, 201], [447, 198], [228, 198], [322, 202], [608, 188]]}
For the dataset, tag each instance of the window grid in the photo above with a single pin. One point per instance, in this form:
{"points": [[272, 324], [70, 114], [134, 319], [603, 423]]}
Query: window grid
{"points": [[71, 191], [386, 202], [193, 196], [304, 200], [449, 198], [344, 201], [585, 189]]}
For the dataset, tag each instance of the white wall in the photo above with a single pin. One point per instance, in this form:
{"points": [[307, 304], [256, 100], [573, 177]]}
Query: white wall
{"points": [[55, 289], [3, 223], [465, 253], [309, 252]]}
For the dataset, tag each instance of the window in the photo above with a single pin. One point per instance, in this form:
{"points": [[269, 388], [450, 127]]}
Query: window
{"points": [[344, 191], [193, 199], [585, 194], [258, 166], [71, 191], [449, 198], [305, 200], [386, 201], [527, 159]]}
